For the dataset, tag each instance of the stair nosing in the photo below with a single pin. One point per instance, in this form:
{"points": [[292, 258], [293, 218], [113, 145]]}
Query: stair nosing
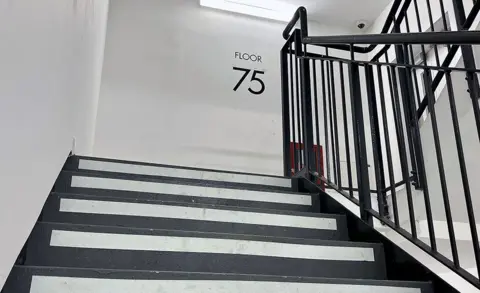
{"points": [[192, 182], [201, 205], [199, 234], [289, 279]]}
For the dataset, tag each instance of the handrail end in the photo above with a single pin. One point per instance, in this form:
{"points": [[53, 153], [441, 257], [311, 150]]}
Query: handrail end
{"points": [[300, 14]]}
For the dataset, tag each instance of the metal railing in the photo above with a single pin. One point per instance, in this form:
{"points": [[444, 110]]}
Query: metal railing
{"points": [[366, 121]]}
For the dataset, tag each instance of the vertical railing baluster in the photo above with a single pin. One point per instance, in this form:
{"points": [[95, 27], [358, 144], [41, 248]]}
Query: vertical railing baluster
{"points": [[427, 81], [359, 141], [346, 134], [325, 117], [292, 103], [473, 88], [287, 170], [409, 107], [388, 150], [397, 112], [324, 113], [330, 117], [317, 119], [401, 59], [463, 171], [336, 157], [299, 120], [376, 142], [307, 124]]}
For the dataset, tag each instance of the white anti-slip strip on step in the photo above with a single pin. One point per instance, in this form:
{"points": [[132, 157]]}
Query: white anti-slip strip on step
{"points": [[46, 284], [94, 240], [181, 173], [189, 190], [193, 213]]}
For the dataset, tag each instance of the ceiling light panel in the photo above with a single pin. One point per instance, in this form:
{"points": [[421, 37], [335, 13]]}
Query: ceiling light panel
{"points": [[271, 9]]}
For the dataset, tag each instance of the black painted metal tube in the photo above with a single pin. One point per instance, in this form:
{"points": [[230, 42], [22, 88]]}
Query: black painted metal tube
{"points": [[427, 81], [334, 127], [402, 148], [345, 129], [299, 120], [439, 38], [376, 141], [463, 171], [388, 149], [317, 118], [292, 103], [325, 117], [285, 113]]}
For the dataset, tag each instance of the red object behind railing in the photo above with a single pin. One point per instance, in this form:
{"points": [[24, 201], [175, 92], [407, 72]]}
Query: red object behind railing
{"points": [[318, 150]]}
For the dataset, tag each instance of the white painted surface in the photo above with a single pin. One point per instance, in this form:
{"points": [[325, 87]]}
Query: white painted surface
{"points": [[45, 284], [189, 190], [167, 94], [50, 65], [191, 213], [181, 173], [208, 245]]}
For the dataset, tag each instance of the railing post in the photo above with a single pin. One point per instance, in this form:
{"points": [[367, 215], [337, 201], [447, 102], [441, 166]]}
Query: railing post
{"points": [[306, 96], [360, 144], [287, 169]]}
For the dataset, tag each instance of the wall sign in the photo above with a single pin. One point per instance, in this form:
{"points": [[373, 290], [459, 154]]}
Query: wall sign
{"points": [[256, 82]]}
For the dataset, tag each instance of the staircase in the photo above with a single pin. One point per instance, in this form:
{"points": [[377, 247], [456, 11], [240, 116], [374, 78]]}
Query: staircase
{"points": [[117, 226]]}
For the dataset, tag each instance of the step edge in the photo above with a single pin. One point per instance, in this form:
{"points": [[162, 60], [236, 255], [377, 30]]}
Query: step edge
{"points": [[106, 272], [308, 241], [154, 179], [213, 206]]}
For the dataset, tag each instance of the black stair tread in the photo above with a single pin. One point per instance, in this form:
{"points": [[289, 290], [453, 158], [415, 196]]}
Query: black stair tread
{"points": [[234, 225], [198, 234], [248, 254], [196, 205], [63, 184], [179, 181], [186, 181], [18, 281], [73, 158]]}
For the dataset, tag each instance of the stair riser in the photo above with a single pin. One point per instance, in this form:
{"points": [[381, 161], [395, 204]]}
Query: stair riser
{"points": [[141, 215], [94, 249]]}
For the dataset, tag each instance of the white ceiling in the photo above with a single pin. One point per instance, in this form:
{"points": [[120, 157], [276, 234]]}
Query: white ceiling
{"points": [[344, 13]]}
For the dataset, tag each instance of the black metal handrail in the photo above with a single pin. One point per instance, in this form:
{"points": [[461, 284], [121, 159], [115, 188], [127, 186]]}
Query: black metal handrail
{"points": [[301, 15], [315, 86], [426, 38], [339, 44]]}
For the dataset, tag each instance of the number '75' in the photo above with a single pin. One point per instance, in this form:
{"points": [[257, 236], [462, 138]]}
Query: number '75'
{"points": [[254, 78]]}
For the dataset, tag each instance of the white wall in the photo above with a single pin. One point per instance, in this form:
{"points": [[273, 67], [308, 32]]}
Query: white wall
{"points": [[167, 87], [50, 55]]}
